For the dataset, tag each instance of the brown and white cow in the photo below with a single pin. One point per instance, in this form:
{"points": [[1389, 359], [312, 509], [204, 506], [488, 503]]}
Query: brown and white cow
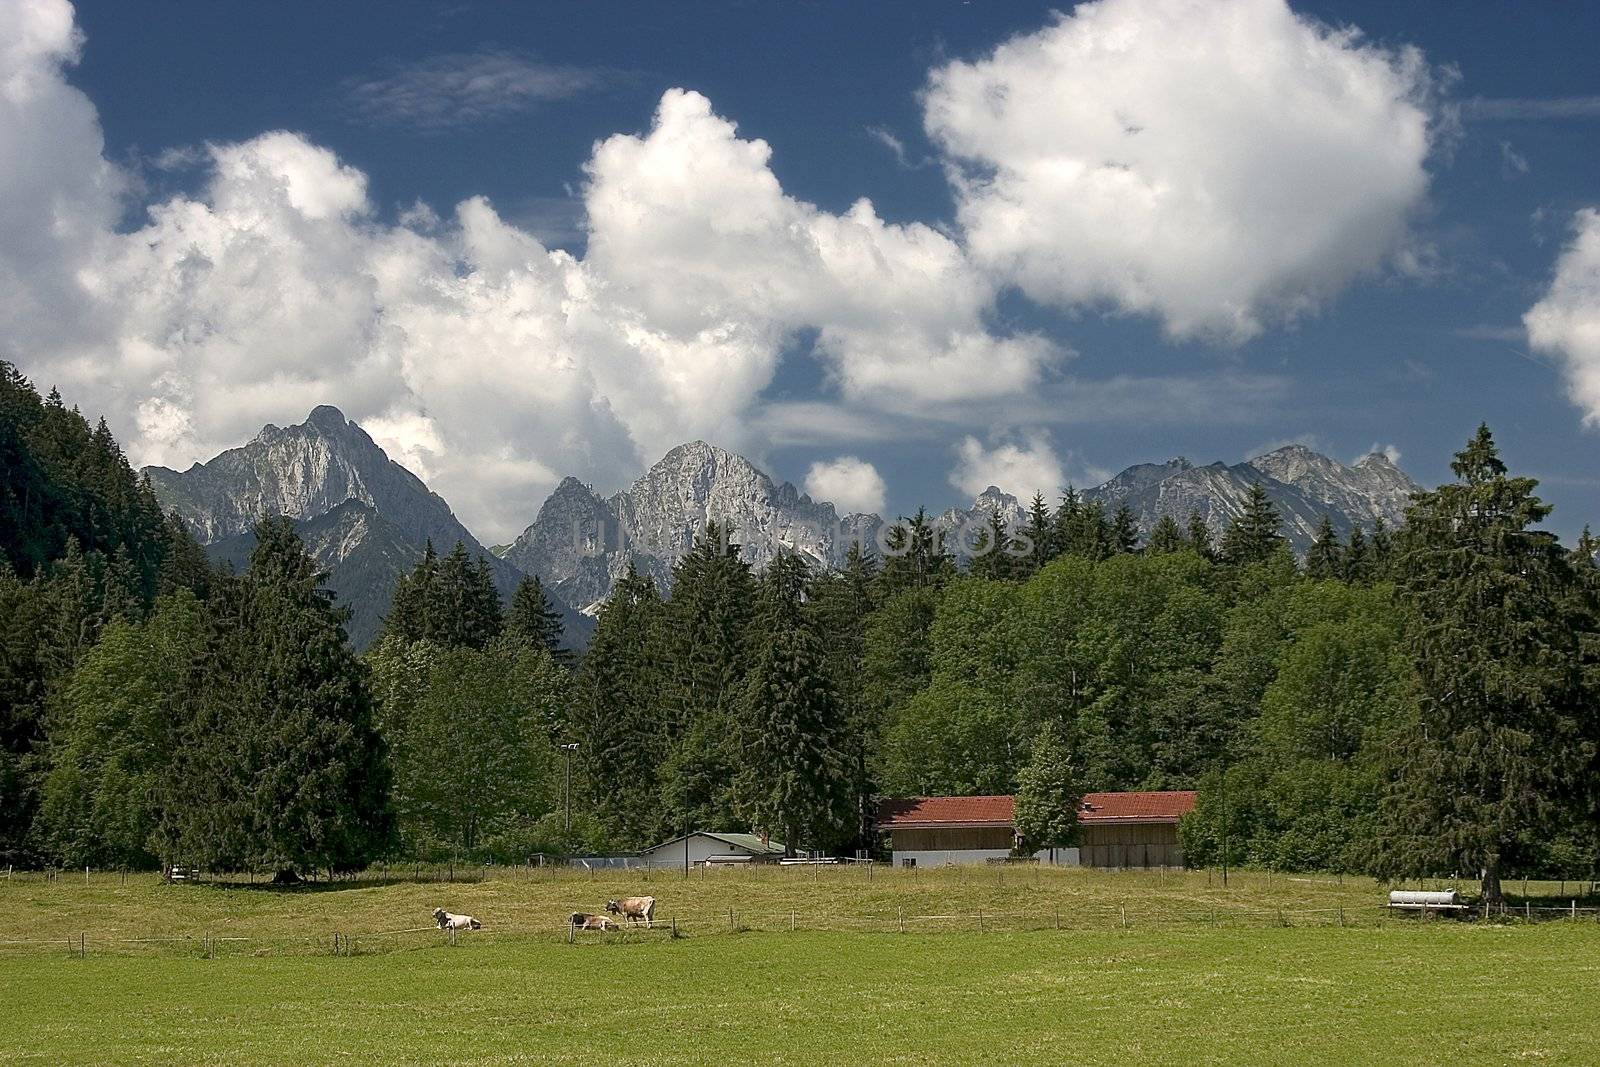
{"points": [[585, 921], [634, 909], [448, 921]]}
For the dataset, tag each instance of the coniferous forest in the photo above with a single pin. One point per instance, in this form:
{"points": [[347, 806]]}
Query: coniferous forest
{"points": [[1402, 701]]}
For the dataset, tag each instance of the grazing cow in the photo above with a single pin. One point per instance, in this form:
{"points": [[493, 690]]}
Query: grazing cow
{"points": [[585, 921], [447, 921], [634, 909]]}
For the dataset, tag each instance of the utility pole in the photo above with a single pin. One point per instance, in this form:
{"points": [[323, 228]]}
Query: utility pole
{"points": [[568, 749]]}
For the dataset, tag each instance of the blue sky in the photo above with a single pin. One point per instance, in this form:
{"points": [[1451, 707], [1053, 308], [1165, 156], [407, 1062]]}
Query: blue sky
{"points": [[1412, 344]]}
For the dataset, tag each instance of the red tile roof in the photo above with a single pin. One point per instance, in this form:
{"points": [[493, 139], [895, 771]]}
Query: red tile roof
{"points": [[1136, 807], [1098, 808], [945, 811]]}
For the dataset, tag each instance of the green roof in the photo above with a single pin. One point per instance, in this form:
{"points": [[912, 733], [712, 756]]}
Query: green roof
{"points": [[748, 842], [751, 842]]}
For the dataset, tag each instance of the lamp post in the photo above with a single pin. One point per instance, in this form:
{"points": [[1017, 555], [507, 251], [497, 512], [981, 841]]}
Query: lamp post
{"points": [[568, 749]]}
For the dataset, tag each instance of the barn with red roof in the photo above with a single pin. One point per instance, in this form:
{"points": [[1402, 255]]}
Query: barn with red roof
{"points": [[1114, 830]]}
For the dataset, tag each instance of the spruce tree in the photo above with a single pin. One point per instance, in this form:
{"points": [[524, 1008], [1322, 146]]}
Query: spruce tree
{"points": [[1253, 537], [1325, 559], [839, 608], [1199, 536], [532, 621], [1382, 543], [1048, 793], [279, 765], [618, 719], [1040, 534], [1503, 636], [451, 601], [704, 655], [408, 619], [1064, 531], [1585, 551], [915, 557], [1124, 535], [1355, 562], [185, 565], [1166, 537], [993, 559], [793, 772]]}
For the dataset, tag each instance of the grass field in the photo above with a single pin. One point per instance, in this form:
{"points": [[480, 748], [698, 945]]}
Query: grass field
{"points": [[1145, 968]]}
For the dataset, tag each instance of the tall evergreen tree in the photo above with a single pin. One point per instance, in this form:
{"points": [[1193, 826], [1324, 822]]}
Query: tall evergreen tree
{"points": [[618, 720], [279, 765], [1253, 537], [993, 558], [1382, 543], [1199, 536], [1326, 558], [532, 621], [1356, 564], [1048, 793], [1040, 533], [793, 774], [1166, 537], [915, 556], [1503, 637], [451, 601], [840, 606], [1124, 530], [1064, 529], [705, 653]]}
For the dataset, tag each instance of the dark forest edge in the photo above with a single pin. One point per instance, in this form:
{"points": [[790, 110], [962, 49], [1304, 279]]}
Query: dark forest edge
{"points": [[1405, 702]]}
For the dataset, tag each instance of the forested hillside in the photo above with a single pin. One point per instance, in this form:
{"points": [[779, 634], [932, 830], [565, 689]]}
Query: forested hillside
{"points": [[1405, 700]]}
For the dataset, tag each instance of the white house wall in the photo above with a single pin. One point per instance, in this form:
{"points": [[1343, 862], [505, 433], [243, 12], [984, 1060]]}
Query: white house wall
{"points": [[1064, 857]]}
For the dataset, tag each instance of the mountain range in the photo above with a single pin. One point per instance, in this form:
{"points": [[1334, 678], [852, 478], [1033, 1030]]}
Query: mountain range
{"points": [[366, 518], [1305, 485], [581, 543]]}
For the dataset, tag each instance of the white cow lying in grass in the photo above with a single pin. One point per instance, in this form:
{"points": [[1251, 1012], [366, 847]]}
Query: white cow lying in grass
{"points": [[634, 909], [584, 921], [448, 921]]}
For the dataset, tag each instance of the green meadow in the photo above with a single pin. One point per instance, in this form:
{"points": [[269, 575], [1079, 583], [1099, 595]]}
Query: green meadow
{"points": [[795, 966]]}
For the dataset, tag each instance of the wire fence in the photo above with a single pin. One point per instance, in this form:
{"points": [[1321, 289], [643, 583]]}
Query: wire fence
{"points": [[734, 922]]}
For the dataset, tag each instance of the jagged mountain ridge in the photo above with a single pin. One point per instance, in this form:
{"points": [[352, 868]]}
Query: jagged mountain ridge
{"points": [[362, 552], [580, 543], [364, 517], [1303, 484]]}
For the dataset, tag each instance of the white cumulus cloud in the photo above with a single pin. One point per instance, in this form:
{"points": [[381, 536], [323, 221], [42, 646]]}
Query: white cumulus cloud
{"points": [[1218, 164], [1566, 321], [481, 358], [1020, 465], [851, 484]]}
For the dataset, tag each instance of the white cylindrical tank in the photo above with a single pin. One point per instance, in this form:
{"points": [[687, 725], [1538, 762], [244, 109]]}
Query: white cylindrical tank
{"points": [[1417, 896]]}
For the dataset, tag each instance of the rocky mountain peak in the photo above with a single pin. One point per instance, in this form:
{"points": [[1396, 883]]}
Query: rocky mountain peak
{"points": [[580, 544], [328, 419], [317, 472]]}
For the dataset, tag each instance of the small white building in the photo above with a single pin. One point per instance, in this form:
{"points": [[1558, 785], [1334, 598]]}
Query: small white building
{"points": [[702, 847]]}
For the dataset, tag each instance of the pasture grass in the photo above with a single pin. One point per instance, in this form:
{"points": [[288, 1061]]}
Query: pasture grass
{"points": [[1172, 985]]}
